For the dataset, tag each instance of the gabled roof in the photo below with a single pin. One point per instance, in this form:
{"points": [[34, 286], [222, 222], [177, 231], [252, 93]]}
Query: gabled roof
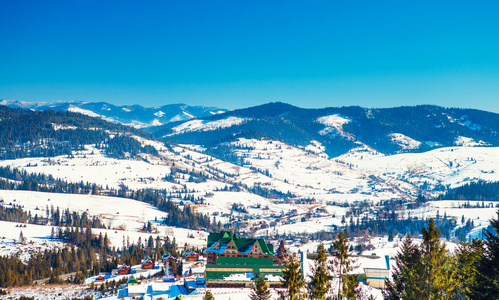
{"points": [[148, 261], [132, 280], [243, 245], [213, 237]]}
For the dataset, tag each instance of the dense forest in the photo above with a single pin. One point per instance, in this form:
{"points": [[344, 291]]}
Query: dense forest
{"points": [[25, 133], [482, 191]]}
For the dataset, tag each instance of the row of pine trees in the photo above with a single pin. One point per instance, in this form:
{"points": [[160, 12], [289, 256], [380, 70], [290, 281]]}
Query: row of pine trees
{"points": [[423, 271]]}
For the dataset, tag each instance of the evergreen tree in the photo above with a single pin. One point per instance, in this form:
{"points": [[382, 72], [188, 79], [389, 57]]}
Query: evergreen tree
{"points": [[350, 287], [292, 279], [260, 290], [487, 278], [320, 282], [407, 269], [467, 255], [208, 295], [438, 268], [424, 272], [342, 262]]}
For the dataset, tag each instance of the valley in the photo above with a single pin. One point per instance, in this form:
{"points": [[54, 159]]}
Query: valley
{"points": [[160, 189]]}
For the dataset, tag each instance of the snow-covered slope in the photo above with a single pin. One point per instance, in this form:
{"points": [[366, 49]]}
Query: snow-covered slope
{"points": [[404, 141], [204, 125], [444, 167]]}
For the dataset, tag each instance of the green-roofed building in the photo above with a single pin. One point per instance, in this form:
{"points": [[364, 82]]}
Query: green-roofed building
{"points": [[237, 262], [132, 281]]}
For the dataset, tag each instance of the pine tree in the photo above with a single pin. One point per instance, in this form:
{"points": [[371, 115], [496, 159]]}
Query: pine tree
{"points": [[208, 295], [292, 279], [424, 272], [467, 255], [342, 262], [487, 277], [438, 268], [22, 239], [320, 282], [350, 287], [260, 290], [407, 270]]}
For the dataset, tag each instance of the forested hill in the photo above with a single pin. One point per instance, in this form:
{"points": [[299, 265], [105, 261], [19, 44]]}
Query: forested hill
{"points": [[340, 129], [25, 133], [486, 191]]}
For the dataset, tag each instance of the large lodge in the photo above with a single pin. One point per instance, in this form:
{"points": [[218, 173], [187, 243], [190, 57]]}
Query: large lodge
{"points": [[237, 262]]}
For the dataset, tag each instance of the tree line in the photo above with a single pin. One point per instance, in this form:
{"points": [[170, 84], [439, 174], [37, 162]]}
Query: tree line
{"points": [[481, 190]]}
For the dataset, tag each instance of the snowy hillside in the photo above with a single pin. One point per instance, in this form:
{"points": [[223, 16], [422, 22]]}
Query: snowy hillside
{"points": [[439, 168], [200, 125]]}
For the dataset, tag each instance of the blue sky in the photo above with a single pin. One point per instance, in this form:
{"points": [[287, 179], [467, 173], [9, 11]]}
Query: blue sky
{"points": [[235, 54]]}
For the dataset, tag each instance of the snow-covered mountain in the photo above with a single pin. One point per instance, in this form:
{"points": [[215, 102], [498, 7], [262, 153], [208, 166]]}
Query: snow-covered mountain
{"points": [[134, 115], [342, 129]]}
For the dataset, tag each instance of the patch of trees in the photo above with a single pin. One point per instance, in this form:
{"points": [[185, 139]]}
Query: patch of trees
{"points": [[392, 226], [257, 189], [51, 264], [187, 217], [122, 146], [14, 214], [22, 180], [238, 207], [324, 273]]}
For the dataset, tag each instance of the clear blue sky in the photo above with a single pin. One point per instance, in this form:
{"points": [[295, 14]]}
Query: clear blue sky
{"points": [[235, 54]]}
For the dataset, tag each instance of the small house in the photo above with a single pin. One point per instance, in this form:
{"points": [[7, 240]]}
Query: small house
{"points": [[148, 263], [190, 255], [124, 269], [132, 281]]}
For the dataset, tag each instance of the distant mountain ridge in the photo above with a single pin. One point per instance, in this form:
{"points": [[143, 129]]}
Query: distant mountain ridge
{"points": [[338, 129], [134, 115], [341, 129]]}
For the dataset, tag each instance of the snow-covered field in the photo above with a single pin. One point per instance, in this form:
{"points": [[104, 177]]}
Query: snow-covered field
{"points": [[362, 174], [123, 217], [307, 172]]}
